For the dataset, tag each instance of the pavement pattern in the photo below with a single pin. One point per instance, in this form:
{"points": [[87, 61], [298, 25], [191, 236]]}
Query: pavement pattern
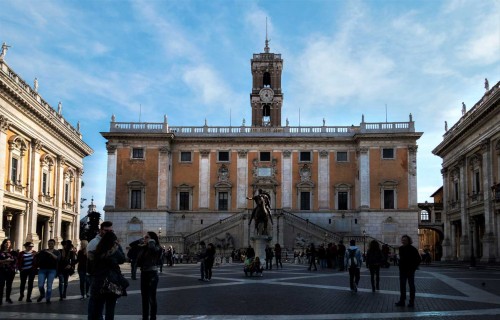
{"points": [[290, 293]]}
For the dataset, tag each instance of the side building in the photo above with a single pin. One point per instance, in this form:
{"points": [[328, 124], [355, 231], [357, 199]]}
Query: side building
{"points": [[326, 182], [41, 164], [471, 174]]}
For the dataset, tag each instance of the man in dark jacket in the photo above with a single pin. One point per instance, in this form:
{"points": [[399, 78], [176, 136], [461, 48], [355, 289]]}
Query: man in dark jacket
{"points": [[409, 260]]}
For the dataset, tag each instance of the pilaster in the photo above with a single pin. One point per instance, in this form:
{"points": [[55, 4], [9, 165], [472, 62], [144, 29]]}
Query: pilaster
{"points": [[364, 176], [111, 178], [286, 177], [164, 153], [323, 180], [4, 126], [412, 177], [36, 146], [204, 180], [241, 179], [489, 238]]}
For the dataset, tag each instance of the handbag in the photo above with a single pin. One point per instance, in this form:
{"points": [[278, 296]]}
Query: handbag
{"points": [[109, 287], [115, 283]]}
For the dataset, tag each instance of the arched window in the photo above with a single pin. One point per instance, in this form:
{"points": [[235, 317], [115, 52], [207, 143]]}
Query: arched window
{"points": [[424, 215], [266, 79]]}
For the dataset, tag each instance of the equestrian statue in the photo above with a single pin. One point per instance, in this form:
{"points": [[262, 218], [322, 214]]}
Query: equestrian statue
{"points": [[262, 212]]}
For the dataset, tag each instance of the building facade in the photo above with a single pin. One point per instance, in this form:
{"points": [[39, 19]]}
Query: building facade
{"points": [[430, 226], [325, 182], [41, 164], [471, 173]]}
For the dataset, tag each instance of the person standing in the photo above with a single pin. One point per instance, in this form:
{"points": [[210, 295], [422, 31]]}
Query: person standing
{"points": [[269, 257], [7, 269], [277, 254], [132, 256], [209, 261], [374, 259], [341, 249], [147, 260], [201, 256], [312, 257], [27, 270], [47, 262], [65, 267], [81, 258], [409, 260], [107, 257], [353, 264]]}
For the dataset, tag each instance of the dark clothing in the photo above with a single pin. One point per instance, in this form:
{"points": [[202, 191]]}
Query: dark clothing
{"points": [[81, 258], [29, 275], [354, 276], [341, 252], [149, 284], [45, 260], [209, 263], [277, 252], [269, 258], [409, 260], [374, 259], [132, 254], [312, 258], [7, 273], [250, 253]]}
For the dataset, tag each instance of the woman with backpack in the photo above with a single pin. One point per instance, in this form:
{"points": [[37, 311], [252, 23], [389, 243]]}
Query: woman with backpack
{"points": [[374, 258]]}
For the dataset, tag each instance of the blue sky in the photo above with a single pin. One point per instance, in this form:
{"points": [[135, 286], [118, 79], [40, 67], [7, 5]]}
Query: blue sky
{"points": [[190, 60]]}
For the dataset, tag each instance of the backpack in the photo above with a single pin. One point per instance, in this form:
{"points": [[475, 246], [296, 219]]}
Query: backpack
{"points": [[352, 256]]}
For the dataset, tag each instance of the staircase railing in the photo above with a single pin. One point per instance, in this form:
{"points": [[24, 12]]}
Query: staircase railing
{"points": [[213, 228], [318, 231]]}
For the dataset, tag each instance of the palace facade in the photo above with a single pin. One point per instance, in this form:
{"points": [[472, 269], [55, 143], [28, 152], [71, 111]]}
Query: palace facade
{"points": [[41, 163], [326, 182], [471, 182]]}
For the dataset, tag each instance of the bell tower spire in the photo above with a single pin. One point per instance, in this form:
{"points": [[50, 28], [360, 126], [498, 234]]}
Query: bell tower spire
{"points": [[266, 98]]}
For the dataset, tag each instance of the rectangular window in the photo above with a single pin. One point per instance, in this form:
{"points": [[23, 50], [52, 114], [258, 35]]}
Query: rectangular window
{"points": [[388, 199], [424, 215], [341, 156], [183, 200], [135, 199], [477, 182], [265, 156], [342, 200], [223, 201], [137, 153], [223, 156], [45, 181], [388, 153], [14, 169], [305, 156], [455, 191], [66, 192], [185, 156], [305, 201]]}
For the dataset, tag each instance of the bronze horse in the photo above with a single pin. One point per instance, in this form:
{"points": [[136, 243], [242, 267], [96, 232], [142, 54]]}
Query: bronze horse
{"points": [[260, 214]]}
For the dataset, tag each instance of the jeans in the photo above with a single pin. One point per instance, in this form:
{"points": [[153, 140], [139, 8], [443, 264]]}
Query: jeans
{"points": [[63, 283], [405, 276], [149, 284], [84, 283], [96, 306], [28, 274], [133, 269], [375, 276], [354, 276], [49, 275], [269, 262], [278, 262], [6, 279]]}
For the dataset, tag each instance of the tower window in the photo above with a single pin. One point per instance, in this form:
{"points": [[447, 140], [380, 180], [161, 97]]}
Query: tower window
{"points": [[135, 199], [341, 156], [185, 156], [388, 199], [266, 80], [183, 200], [223, 156]]}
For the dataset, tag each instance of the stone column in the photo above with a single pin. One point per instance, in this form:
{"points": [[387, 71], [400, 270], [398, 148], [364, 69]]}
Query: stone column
{"points": [[464, 218], [163, 172], [323, 180], [19, 235], [286, 177], [454, 244], [58, 198], [364, 177], [204, 180], [447, 241], [4, 126], [111, 178], [489, 238], [36, 146], [242, 180], [412, 177], [78, 195]]}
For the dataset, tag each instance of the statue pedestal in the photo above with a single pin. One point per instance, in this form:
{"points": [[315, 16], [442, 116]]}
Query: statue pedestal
{"points": [[259, 243]]}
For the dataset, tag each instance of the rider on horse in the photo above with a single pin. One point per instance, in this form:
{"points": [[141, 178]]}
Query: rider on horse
{"points": [[266, 197]]}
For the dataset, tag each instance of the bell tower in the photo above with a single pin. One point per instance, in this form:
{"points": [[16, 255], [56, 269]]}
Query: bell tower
{"points": [[266, 98]]}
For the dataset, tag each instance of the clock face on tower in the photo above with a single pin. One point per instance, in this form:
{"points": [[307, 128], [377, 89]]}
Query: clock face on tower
{"points": [[266, 94]]}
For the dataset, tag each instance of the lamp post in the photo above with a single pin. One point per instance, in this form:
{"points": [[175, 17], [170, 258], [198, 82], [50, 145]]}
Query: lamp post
{"points": [[159, 234], [472, 256], [9, 220], [51, 225]]}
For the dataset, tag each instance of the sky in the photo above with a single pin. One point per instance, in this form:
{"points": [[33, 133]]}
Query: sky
{"points": [[190, 60]]}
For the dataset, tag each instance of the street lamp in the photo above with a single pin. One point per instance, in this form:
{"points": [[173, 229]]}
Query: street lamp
{"points": [[9, 220], [159, 234], [51, 225], [472, 257]]}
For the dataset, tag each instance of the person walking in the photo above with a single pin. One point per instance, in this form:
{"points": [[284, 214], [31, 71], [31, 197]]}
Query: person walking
{"points": [[269, 257], [65, 267], [47, 261], [409, 260], [81, 258], [27, 270], [312, 257], [107, 257], [353, 264], [147, 260], [374, 259], [277, 255], [132, 254], [209, 261], [7, 269]]}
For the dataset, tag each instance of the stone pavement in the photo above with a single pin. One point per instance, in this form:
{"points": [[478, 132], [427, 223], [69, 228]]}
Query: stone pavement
{"points": [[291, 293]]}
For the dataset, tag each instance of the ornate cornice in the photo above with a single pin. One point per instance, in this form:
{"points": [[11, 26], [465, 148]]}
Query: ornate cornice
{"points": [[204, 153], [287, 154], [242, 154], [111, 148]]}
